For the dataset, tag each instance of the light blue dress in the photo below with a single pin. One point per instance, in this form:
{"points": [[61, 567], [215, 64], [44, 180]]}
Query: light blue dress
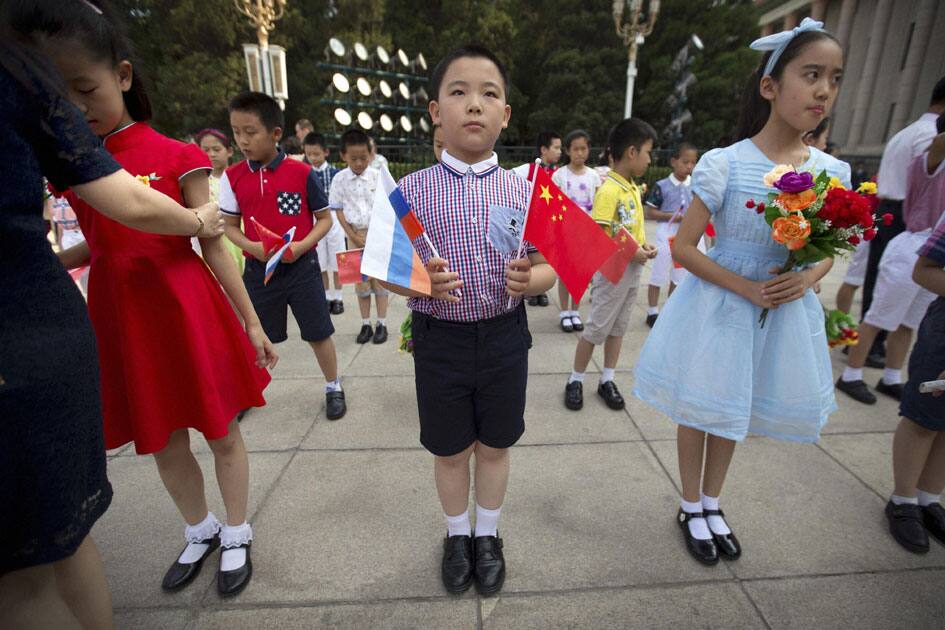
{"points": [[707, 363]]}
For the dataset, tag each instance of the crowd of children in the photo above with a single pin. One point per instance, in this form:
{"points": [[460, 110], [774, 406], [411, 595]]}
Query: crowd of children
{"points": [[216, 323]]}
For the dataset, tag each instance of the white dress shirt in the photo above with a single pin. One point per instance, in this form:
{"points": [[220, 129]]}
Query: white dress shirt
{"points": [[900, 151]]}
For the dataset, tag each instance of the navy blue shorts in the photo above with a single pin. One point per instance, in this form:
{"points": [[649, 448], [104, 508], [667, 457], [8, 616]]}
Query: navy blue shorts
{"points": [[471, 380], [298, 285], [925, 364]]}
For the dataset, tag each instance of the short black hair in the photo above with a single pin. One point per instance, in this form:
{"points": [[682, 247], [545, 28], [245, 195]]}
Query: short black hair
{"points": [[940, 124], [354, 138], [681, 148], [574, 135], [545, 139], [469, 50], [938, 93], [629, 132], [291, 145], [314, 139], [263, 105]]}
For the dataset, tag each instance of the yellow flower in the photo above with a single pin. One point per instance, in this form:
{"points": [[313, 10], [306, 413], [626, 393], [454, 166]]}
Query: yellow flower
{"points": [[867, 188], [835, 183], [144, 179], [775, 174]]}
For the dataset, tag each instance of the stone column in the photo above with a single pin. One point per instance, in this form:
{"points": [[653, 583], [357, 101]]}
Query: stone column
{"points": [[867, 83], [818, 10], [847, 11], [790, 21], [767, 29], [914, 58]]}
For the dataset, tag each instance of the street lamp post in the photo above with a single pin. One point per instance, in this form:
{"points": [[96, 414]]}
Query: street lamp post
{"points": [[265, 64], [633, 33]]}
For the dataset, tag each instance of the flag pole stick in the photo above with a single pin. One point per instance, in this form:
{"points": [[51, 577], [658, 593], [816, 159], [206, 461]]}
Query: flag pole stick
{"points": [[531, 191]]}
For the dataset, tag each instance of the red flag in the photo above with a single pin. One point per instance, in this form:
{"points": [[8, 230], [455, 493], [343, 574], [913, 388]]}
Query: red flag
{"points": [[271, 241], [568, 238], [349, 266], [616, 265]]}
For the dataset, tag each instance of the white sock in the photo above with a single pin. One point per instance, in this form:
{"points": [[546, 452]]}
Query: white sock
{"points": [[366, 322], [575, 314], [892, 377], [328, 294], [716, 523], [205, 529], [653, 310], [231, 536], [927, 498], [382, 321], [333, 386], [852, 374], [564, 314], [487, 521], [337, 294], [576, 377], [607, 374], [697, 526], [458, 525], [897, 500]]}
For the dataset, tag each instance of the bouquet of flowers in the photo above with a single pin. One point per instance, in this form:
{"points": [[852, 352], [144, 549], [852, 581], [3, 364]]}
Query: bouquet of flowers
{"points": [[815, 217], [841, 329], [406, 335]]}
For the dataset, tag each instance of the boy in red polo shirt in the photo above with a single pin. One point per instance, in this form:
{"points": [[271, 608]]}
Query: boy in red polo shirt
{"points": [[280, 194]]}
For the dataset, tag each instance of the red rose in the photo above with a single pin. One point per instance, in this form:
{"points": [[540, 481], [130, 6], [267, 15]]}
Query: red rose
{"points": [[750, 203], [887, 219], [854, 240], [869, 234]]}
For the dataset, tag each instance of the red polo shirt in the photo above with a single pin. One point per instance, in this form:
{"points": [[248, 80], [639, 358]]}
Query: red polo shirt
{"points": [[281, 194]]}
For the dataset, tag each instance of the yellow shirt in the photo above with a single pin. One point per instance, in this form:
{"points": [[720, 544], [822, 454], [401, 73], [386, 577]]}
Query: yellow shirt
{"points": [[617, 204]]}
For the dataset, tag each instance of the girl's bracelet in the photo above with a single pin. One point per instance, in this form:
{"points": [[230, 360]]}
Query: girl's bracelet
{"points": [[199, 226]]}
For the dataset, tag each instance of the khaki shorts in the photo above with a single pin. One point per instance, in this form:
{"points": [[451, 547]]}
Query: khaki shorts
{"points": [[611, 305]]}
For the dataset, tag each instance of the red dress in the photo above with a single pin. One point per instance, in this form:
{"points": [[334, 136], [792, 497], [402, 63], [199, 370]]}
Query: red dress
{"points": [[172, 352]]}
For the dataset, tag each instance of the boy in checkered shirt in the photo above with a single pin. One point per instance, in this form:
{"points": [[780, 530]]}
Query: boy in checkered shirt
{"points": [[279, 194], [470, 338]]}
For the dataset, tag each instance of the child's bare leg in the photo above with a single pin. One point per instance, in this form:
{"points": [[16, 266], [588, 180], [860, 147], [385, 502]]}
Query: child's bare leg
{"points": [[564, 298], [718, 456], [325, 355], [932, 479], [182, 477], [492, 475], [30, 599], [612, 350], [325, 280], [382, 299], [912, 445], [232, 467], [452, 481], [861, 350], [582, 355], [81, 581], [363, 290], [690, 448], [897, 347], [336, 278], [845, 295], [653, 296]]}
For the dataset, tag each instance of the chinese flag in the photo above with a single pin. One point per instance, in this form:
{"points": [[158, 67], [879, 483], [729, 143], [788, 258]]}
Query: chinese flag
{"points": [[349, 266], [615, 266], [271, 241], [568, 238]]}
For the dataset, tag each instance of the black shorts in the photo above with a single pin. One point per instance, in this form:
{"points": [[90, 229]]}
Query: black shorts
{"points": [[298, 285], [471, 380], [926, 362]]}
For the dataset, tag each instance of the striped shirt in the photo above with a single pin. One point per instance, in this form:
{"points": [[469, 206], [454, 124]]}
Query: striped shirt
{"points": [[474, 215], [325, 173], [934, 247]]}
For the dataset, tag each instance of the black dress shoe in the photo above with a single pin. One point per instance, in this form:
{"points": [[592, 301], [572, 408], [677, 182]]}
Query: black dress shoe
{"points": [[457, 567], [727, 544], [933, 517], [705, 551], [875, 360], [365, 335], [490, 564], [566, 324], [577, 324], [574, 395], [905, 525], [380, 333], [611, 395], [180, 575], [339, 307], [230, 583], [335, 405], [893, 391], [857, 390], [333, 307], [533, 300], [543, 299], [651, 319]]}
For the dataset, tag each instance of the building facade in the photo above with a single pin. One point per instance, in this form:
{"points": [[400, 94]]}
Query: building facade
{"points": [[894, 55]]}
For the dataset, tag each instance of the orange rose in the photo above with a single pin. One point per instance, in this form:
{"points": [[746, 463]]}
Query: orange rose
{"points": [[796, 202], [791, 231]]}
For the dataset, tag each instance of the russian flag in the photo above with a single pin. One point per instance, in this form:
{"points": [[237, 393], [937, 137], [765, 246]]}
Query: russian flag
{"points": [[388, 253]]}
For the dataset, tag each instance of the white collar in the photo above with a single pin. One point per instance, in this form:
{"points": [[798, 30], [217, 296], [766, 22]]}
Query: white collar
{"points": [[479, 168], [676, 182], [324, 167]]}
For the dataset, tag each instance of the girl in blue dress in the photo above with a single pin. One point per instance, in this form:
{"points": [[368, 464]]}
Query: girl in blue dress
{"points": [[708, 364]]}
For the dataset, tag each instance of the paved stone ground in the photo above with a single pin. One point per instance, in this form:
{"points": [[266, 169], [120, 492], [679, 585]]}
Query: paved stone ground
{"points": [[348, 526]]}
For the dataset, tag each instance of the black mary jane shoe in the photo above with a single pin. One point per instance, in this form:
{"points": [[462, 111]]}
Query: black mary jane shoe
{"points": [[577, 323], [231, 583], [727, 544], [456, 569], [490, 564], [180, 575], [705, 551], [567, 325], [933, 517]]}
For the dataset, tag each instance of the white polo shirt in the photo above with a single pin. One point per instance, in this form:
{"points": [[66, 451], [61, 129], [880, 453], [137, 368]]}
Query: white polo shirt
{"points": [[900, 151]]}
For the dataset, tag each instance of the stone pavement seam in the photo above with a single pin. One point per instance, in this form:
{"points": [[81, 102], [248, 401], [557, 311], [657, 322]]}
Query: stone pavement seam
{"points": [[849, 471]]}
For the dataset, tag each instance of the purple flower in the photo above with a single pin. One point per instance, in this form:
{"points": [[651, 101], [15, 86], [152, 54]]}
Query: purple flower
{"points": [[794, 182]]}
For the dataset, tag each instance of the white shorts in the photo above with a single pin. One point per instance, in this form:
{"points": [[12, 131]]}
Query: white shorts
{"points": [[71, 238], [856, 272], [331, 244], [897, 300], [664, 270]]}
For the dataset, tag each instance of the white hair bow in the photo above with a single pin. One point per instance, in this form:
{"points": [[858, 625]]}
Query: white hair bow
{"points": [[779, 41]]}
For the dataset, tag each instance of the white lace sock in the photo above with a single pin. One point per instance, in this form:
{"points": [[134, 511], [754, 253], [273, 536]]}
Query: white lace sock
{"points": [[898, 500], [458, 525], [231, 537], [716, 523], [337, 294], [697, 526], [564, 314], [333, 386], [653, 310], [194, 534], [487, 521], [576, 318]]}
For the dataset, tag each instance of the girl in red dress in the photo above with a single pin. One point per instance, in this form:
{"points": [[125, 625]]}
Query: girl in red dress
{"points": [[172, 353]]}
